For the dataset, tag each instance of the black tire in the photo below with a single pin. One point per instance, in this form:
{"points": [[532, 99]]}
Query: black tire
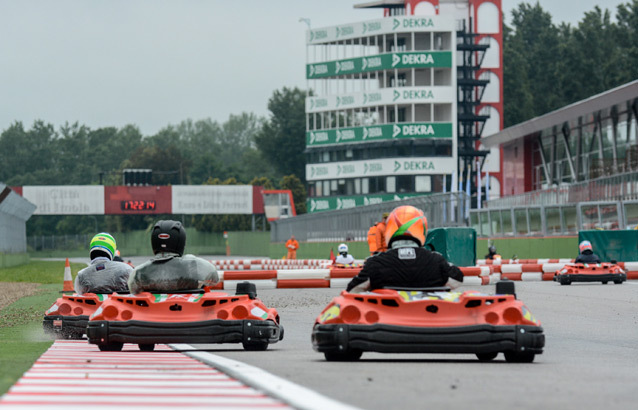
{"points": [[618, 282], [144, 347], [347, 356], [259, 346], [281, 332], [486, 357], [565, 282], [604, 282], [519, 357], [111, 347]]}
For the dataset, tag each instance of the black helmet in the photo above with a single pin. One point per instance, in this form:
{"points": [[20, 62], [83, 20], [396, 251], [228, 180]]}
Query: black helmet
{"points": [[492, 249], [168, 236]]}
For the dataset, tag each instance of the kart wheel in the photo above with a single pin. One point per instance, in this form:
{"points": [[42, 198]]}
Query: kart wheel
{"points": [[486, 357], [604, 282], [348, 356], [73, 335], [146, 347], [111, 347], [618, 282], [565, 282], [255, 346], [281, 332], [519, 357]]}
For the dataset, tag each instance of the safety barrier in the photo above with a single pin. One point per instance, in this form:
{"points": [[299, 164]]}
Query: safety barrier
{"points": [[339, 277], [480, 262]]}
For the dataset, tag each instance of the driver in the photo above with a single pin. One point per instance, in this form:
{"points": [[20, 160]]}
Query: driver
{"points": [[406, 263], [103, 275], [586, 254], [492, 253], [344, 258], [170, 270]]}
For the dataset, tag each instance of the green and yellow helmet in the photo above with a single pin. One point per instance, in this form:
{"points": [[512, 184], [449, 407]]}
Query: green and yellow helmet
{"points": [[102, 244]]}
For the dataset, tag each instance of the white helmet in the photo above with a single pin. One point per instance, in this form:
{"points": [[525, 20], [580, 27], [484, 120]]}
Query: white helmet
{"points": [[343, 248]]}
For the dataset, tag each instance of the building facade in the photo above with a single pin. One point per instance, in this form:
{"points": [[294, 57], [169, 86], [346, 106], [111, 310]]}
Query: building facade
{"points": [[398, 104]]}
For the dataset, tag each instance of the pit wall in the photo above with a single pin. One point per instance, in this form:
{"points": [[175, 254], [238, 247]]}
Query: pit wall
{"points": [[8, 260]]}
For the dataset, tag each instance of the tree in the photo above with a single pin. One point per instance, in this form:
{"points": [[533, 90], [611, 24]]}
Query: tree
{"points": [[298, 190], [282, 139]]}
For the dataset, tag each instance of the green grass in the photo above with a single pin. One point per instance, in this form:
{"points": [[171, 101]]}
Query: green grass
{"points": [[22, 339]]}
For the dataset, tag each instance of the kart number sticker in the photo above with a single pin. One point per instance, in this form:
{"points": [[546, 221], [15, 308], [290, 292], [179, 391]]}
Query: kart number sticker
{"points": [[407, 253], [259, 312], [331, 313], [52, 309]]}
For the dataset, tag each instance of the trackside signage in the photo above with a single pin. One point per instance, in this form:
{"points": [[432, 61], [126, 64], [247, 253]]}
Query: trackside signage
{"points": [[66, 199], [380, 26], [418, 59], [212, 199], [399, 95], [380, 167], [380, 132], [345, 202]]}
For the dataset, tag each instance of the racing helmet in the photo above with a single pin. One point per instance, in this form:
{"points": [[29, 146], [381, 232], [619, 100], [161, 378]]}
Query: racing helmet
{"points": [[343, 248], [168, 236], [491, 249], [102, 244], [406, 222], [584, 246]]}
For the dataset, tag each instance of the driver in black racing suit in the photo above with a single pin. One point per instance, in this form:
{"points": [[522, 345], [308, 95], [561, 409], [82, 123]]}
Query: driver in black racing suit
{"points": [[406, 264]]}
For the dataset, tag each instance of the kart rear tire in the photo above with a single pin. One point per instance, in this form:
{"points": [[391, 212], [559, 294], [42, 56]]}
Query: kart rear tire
{"points": [[486, 357], [348, 356], [259, 346], [146, 347], [618, 282], [565, 282], [604, 282], [111, 347], [519, 357]]}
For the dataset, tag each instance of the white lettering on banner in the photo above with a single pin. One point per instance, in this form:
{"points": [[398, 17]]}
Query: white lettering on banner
{"points": [[425, 129], [374, 132], [348, 203], [347, 135], [321, 68], [373, 62], [375, 200], [219, 199], [66, 200], [347, 65], [417, 59], [421, 94], [396, 130], [320, 136], [321, 205]]}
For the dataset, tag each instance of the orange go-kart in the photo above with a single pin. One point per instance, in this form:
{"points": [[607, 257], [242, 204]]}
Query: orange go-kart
{"points": [[196, 316], [590, 272], [431, 320], [69, 315]]}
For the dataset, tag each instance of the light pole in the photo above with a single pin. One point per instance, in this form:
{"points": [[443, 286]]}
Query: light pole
{"points": [[305, 20]]}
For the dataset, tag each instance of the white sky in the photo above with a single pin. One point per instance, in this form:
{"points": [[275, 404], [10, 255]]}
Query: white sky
{"points": [[157, 62]]}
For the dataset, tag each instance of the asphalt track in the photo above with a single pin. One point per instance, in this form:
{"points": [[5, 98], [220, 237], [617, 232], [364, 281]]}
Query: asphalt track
{"points": [[590, 359]]}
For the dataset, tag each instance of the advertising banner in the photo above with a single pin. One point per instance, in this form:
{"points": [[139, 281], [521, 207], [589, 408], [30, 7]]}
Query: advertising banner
{"points": [[380, 167], [66, 199], [212, 199], [386, 96], [416, 59], [380, 132], [396, 24], [345, 202]]}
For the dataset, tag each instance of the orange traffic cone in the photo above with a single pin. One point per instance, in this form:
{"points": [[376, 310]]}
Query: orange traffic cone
{"points": [[68, 279], [332, 256]]}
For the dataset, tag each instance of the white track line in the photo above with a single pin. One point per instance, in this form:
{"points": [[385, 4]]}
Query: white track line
{"points": [[282, 389]]}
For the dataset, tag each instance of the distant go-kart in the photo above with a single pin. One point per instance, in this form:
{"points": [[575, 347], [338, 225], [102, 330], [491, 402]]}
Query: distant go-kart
{"points": [[68, 316], [195, 316], [590, 272], [430, 320]]}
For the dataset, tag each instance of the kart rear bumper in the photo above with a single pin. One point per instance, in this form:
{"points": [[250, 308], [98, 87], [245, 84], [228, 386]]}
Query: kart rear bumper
{"points": [[581, 277], [103, 332], [403, 339], [65, 326]]}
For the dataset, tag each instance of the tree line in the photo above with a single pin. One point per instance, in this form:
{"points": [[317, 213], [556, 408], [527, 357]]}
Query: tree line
{"points": [[245, 149], [547, 66]]}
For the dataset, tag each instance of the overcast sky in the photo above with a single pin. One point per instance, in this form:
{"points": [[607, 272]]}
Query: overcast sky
{"points": [[156, 62]]}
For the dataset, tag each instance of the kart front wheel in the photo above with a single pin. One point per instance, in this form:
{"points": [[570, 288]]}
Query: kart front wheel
{"points": [[519, 357], [348, 356], [565, 282], [486, 357], [259, 346], [604, 282], [111, 347], [146, 347], [618, 282]]}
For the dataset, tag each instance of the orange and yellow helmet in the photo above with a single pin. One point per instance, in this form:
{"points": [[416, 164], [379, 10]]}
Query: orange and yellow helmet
{"points": [[406, 222]]}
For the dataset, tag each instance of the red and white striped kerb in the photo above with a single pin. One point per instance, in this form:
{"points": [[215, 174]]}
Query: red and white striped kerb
{"points": [[76, 375]]}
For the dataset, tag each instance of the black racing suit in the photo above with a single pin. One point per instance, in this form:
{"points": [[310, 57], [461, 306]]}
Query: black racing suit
{"points": [[587, 257], [407, 267]]}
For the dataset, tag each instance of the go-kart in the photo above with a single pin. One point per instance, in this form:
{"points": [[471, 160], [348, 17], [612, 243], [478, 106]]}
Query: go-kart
{"points": [[191, 316], [587, 272], [69, 315], [429, 320]]}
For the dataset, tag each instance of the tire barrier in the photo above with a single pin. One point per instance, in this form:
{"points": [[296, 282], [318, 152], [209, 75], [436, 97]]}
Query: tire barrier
{"points": [[339, 277], [480, 262], [270, 264]]}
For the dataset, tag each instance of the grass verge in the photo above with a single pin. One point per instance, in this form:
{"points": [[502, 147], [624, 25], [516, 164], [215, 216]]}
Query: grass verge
{"points": [[21, 335]]}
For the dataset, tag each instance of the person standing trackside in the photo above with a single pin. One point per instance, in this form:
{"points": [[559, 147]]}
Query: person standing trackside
{"points": [[376, 237], [292, 245]]}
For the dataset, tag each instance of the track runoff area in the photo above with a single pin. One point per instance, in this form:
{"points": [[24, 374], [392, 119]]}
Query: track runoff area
{"points": [[586, 325]]}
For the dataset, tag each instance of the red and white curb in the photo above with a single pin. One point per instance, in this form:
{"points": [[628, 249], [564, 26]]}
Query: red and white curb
{"points": [[76, 375]]}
